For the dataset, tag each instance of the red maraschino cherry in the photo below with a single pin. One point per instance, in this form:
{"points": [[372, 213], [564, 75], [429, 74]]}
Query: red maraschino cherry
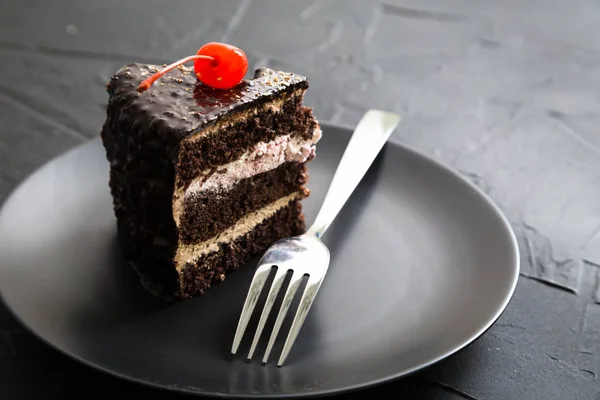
{"points": [[218, 65]]}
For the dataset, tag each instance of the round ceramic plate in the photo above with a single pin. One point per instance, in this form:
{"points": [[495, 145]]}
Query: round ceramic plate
{"points": [[422, 264]]}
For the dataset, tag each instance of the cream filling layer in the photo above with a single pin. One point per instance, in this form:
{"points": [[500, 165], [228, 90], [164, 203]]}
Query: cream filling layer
{"points": [[189, 253], [263, 157]]}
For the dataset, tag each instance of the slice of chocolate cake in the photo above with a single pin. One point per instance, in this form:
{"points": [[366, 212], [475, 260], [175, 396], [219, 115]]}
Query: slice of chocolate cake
{"points": [[203, 179]]}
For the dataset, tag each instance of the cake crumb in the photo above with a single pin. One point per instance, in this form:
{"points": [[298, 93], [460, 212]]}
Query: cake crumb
{"points": [[71, 29]]}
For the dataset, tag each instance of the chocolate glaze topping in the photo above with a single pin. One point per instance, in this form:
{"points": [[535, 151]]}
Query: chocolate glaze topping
{"points": [[186, 105]]}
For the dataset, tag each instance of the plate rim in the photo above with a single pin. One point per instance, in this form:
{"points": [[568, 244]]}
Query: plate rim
{"points": [[394, 141]]}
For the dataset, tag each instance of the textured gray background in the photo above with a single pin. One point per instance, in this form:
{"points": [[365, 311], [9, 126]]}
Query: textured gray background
{"points": [[507, 92]]}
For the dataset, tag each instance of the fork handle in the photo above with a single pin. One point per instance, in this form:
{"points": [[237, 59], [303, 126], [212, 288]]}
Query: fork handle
{"points": [[371, 133]]}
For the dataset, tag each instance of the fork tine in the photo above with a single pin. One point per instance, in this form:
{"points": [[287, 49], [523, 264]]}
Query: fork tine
{"points": [[312, 287], [287, 301], [258, 281], [275, 287]]}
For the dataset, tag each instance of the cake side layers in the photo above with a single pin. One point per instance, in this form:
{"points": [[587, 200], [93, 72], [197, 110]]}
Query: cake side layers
{"points": [[262, 158], [211, 268], [191, 252], [208, 213], [242, 131]]}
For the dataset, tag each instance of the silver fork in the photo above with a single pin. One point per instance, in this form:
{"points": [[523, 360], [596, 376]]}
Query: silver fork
{"points": [[306, 254]]}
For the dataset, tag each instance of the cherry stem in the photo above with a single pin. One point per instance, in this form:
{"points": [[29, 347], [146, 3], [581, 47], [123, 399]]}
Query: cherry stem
{"points": [[145, 85]]}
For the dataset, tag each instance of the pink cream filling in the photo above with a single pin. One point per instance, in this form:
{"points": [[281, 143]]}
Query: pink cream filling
{"points": [[264, 157]]}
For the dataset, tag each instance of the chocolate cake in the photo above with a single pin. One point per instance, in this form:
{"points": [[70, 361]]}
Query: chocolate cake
{"points": [[204, 179]]}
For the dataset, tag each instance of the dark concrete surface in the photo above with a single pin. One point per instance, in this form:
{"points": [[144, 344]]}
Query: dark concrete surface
{"points": [[507, 92]]}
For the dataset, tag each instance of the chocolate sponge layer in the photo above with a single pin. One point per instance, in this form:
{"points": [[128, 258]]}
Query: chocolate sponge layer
{"points": [[207, 214], [212, 268]]}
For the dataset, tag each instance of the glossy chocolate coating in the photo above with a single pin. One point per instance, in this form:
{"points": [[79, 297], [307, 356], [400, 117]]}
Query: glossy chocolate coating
{"points": [[184, 104]]}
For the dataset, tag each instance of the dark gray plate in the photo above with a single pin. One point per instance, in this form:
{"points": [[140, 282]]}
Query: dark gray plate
{"points": [[422, 264]]}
